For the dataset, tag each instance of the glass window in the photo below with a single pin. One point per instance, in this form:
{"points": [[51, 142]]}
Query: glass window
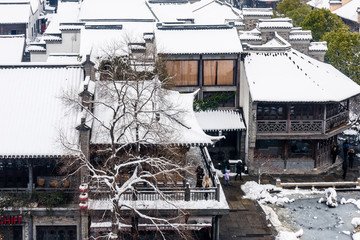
{"points": [[183, 73], [219, 72], [269, 148], [300, 148]]}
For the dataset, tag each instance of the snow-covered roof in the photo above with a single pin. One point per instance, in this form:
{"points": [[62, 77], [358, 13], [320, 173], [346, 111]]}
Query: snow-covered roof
{"points": [[171, 12], [318, 46], [265, 12], [175, 123], [33, 3], [33, 115], [294, 77], [285, 23], [349, 11], [319, 4], [103, 40], [199, 40], [115, 10], [220, 120], [36, 48], [216, 12], [11, 48], [15, 13], [296, 35], [67, 12], [64, 58]]}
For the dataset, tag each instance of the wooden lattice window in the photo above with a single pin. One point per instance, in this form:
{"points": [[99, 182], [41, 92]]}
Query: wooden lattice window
{"points": [[219, 72], [183, 73]]}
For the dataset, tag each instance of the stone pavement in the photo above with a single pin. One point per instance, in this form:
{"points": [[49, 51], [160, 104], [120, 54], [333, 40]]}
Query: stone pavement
{"points": [[246, 220]]}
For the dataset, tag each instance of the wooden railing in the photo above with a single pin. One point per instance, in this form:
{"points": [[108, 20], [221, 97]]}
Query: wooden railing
{"points": [[337, 121], [302, 126], [317, 184], [166, 192], [186, 194]]}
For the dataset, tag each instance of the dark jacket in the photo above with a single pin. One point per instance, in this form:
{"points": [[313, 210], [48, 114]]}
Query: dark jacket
{"points": [[239, 167]]}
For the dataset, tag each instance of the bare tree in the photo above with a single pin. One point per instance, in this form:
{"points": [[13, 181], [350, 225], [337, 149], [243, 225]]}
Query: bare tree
{"points": [[136, 131]]}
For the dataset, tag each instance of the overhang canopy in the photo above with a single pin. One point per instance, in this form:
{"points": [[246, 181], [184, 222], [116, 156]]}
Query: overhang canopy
{"points": [[220, 120]]}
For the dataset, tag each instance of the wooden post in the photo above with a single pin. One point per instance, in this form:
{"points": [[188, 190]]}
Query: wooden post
{"points": [[31, 175], [288, 118], [217, 228], [324, 121], [358, 181], [187, 192]]}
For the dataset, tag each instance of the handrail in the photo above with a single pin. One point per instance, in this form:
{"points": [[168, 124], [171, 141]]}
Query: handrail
{"points": [[317, 184]]}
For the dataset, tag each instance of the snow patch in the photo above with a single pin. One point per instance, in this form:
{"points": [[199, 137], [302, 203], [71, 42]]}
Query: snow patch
{"points": [[331, 197]]}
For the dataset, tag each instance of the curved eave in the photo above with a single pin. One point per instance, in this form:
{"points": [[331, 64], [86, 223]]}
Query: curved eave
{"points": [[204, 53]]}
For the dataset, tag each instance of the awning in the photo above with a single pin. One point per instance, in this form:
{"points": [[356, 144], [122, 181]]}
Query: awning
{"points": [[225, 120]]}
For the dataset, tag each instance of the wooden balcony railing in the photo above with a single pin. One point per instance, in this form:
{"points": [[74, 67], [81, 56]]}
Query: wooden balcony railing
{"points": [[186, 194], [337, 121], [302, 126]]}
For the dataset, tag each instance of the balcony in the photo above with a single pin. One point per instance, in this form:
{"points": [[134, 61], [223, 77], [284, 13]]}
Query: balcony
{"points": [[169, 189], [310, 128]]}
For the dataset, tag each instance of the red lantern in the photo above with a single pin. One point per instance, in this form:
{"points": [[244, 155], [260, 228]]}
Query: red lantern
{"points": [[83, 196], [83, 187], [83, 205]]}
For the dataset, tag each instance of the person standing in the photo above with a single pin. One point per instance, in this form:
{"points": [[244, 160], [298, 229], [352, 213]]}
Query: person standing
{"points": [[351, 156], [334, 152], [199, 176], [227, 178], [206, 184], [346, 147], [239, 168]]}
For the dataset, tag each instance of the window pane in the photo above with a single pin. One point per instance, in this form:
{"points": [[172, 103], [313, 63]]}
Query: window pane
{"points": [[209, 72], [300, 148], [225, 72], [183, 73]]}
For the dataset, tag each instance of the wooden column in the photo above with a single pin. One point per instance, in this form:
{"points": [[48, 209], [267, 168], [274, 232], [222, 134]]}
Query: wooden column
{"points": [[31, 175], [288, 118], [201, 77], [217, 228], [324, 121], [286, 153]]}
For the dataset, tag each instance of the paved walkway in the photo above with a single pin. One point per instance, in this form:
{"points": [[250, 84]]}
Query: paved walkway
{"points": [[246, 219]]}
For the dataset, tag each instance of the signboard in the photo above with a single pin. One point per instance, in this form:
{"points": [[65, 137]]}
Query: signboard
{"points": [[10, 220]]}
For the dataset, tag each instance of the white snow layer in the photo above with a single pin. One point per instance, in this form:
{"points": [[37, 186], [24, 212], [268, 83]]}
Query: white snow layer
{"points": [[331, 197], [303, 79]]}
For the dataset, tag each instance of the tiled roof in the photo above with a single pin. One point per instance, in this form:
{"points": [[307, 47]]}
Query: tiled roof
{"points": [[318, 46], [115, 10], [198, 41], [11, 48], [266, 12], [349, 10], [300, 35], [294, 77], [34, 116], [275, 23], [220, 120], [175, 124], [14, 13]]}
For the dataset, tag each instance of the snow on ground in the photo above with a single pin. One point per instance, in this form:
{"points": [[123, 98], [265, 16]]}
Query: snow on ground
{"points": [[317, 220]]}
